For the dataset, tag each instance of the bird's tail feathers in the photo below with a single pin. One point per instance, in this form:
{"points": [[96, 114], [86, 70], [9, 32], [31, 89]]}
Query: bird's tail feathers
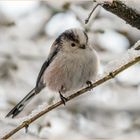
{"points": [[20, 106]]}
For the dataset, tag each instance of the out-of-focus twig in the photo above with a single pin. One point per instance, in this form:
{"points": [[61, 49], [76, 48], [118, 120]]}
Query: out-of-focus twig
{"points": [[109, 76], [87, 20]]}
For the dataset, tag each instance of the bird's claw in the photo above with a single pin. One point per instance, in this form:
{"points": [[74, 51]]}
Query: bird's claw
{"points": [[63, 99], [26, 124], [89, 84]]}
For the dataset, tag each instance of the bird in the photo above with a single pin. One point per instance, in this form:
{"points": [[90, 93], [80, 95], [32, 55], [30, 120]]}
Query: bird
{"points": [[72, 63]]}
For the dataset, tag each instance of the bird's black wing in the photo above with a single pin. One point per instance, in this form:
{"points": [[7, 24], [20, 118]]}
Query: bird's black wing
{"points": [[54, 50]]}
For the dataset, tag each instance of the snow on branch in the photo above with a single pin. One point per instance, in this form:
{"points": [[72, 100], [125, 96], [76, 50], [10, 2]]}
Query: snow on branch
{"points": [[124, 58], [121, 9], [129, 59]]}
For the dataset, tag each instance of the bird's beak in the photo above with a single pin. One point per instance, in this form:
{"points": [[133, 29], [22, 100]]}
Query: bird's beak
{"points": [[82, 47]]}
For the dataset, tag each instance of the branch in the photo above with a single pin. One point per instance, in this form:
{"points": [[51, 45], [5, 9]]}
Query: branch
{"points": [[109, 76], [87, 20], [120, 9]]}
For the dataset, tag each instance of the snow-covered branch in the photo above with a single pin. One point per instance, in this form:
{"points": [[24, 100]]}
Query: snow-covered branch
{"points": [[132, 58], [127, 13]]}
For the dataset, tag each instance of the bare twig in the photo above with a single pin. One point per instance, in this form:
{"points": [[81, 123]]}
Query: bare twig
{"points": [[126, 13], [109, 76], [87, 20]]}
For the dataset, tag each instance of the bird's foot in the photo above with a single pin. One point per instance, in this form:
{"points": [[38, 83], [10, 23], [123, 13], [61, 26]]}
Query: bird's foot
{"points": [[89, 84], [63, 99], [26, 125]]}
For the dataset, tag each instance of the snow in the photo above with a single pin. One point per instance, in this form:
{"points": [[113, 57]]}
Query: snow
{"points": [[131, 73], [26, 25], [3, 102], [137, 45], [104, 1], [110, 110], [128, 56], [134, 4], [16, 8], [60, 22], [36, 111], [112, 41], [123, 59], [44, 133]]}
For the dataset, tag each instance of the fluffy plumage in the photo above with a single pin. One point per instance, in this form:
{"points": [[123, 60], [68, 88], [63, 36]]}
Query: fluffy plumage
{"points": [[70, 64]]}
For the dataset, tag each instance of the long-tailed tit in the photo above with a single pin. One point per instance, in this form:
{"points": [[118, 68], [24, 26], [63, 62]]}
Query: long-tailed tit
{"points": [[71, 63]]}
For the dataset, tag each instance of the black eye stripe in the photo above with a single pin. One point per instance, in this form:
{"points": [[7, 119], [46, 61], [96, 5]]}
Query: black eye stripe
{"points": [[70, 36]]}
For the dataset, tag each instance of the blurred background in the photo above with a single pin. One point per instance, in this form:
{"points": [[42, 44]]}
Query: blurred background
{"points": [[27, 30]]}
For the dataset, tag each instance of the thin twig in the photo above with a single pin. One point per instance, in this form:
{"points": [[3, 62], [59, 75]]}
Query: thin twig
{"points": [[87, 20]]}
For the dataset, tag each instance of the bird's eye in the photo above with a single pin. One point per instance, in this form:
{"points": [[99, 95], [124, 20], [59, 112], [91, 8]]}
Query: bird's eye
{"points": [[73, 44]]}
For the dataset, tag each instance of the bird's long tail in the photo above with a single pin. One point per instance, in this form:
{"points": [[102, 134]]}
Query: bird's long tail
{"points": [[20, 106]]}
